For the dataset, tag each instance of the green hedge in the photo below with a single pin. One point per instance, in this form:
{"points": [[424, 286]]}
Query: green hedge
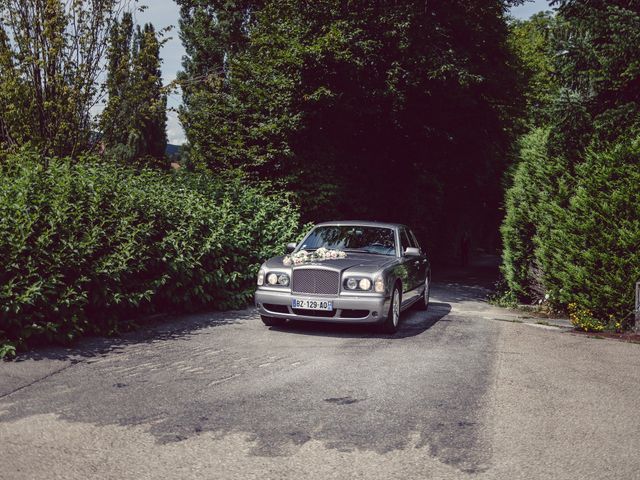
{"points": [[590, 248], [86, 247], [572, 231], [522, 216]]}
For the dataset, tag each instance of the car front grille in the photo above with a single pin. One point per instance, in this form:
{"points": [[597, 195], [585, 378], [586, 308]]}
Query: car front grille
{"points": [[315, 281]]}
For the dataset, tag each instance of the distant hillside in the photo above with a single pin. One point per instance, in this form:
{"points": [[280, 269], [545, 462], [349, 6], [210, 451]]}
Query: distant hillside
{"points": [[172, 150]]}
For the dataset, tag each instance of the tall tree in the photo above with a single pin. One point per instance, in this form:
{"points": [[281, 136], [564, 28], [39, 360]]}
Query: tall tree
{"points": [[134, 120], [51, 55], [116, 117], [147, 80], [213, 33]]}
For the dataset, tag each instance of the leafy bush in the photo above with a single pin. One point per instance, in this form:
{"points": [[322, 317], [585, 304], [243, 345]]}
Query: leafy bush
{"points": [[84, 247]]}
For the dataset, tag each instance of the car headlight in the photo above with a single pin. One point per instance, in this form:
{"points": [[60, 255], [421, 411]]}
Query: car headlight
{"points": [[357, 283], [276, 279], [378, 285], [261, 277]]}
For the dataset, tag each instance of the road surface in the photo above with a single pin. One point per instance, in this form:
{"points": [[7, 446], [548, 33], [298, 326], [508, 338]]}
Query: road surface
{"points": [[464, 390]]}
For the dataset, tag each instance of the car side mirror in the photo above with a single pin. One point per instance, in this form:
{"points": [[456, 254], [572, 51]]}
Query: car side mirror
{"points": [[412, 252], [291, 247]]}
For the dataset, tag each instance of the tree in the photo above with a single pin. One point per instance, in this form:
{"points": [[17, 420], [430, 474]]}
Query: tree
{"points": [[51, 54], [134, 121], [152, 111], [391, 109], [598, 60], [213, 32], [532, 41]]}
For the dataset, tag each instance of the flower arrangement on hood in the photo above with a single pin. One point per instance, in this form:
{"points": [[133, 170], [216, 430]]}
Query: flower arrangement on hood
{"points": [[319, 254]]}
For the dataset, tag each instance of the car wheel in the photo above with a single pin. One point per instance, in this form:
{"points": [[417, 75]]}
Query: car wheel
{"points": [[271, 321], [392, 322], [423, 303]]}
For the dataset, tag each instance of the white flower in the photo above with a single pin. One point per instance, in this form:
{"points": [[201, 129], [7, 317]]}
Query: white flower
{"points": [[319, 254]]}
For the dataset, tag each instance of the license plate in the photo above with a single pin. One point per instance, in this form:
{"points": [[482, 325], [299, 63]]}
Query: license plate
{"points": [[311, 304]]}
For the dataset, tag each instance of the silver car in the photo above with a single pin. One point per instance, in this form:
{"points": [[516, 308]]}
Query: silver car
{"points": [[347, 272]]}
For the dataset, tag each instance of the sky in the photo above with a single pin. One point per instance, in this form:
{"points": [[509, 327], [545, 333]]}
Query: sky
{"points": [[164, 13], [529, 8]]}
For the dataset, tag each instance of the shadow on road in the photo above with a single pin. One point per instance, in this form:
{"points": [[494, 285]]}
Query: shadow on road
{"points": [[171, 329], [412, 323]]}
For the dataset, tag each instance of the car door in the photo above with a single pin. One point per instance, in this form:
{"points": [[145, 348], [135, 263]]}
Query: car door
{"points": [[423, 265], [412, 265]]}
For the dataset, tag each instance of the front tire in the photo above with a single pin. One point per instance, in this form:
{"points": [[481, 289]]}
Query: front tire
{"points": [[271, 321], [392, 322]]}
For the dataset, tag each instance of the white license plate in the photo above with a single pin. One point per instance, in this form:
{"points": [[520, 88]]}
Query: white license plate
{"points": [[311, 304]]}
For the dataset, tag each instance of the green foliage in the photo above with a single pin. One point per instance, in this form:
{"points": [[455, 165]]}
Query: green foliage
{"points": [[532, 41], [572, 228], [51, 54], [134, 121], [86, 247], [571, 232], [523, 203], [386, 110], [589, 253], [598, 58]]}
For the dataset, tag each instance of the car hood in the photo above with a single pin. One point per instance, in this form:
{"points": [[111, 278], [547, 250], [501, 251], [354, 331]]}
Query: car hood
{"points": [[359, 262]]}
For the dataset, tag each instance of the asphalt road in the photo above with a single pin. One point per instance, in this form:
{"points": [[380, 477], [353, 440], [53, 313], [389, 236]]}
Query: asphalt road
{"points": [[462, 391]]}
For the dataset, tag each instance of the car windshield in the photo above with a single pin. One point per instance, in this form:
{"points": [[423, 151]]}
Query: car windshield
{"points": [[377, 240]]}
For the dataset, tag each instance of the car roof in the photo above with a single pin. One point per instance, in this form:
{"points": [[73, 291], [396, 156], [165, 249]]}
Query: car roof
{"points": [[361, 223]]}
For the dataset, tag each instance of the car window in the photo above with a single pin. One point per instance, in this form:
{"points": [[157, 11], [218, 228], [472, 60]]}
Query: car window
{"points": [[376, 240], [414, 240], [404, 239]]}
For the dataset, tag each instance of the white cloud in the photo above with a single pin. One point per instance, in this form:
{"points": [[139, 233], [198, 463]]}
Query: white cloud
{"points": [[175, 132]]}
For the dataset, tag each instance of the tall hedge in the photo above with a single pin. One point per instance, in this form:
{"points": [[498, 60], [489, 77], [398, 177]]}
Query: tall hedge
{"points": [[85, 247], [522, 203], [572, 231], [590, 250]]}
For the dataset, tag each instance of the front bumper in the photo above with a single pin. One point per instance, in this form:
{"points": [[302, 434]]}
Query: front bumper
{"points": [[346, 309]]}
